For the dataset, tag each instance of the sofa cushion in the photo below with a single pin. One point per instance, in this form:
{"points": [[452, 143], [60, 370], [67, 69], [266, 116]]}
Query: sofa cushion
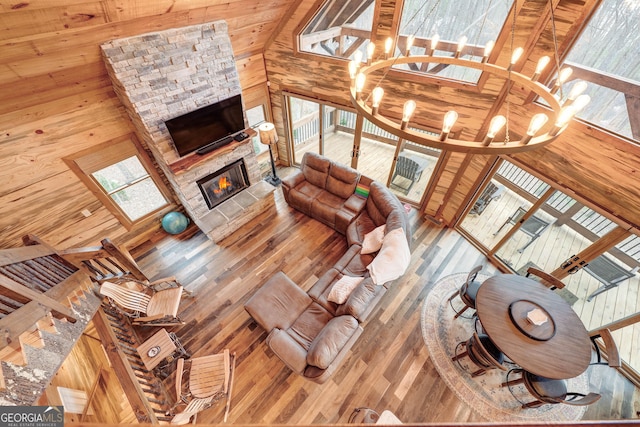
{"points": [[288, 350], [331, 340], [315, 169], [342, 180], [372, 241], [302, 196], [392, 260], [309, 324], [356, 231], [341, 290], [361, 300], [278, 303]]}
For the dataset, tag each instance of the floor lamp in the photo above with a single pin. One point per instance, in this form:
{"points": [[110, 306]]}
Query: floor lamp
{"points": [[268, 136]]}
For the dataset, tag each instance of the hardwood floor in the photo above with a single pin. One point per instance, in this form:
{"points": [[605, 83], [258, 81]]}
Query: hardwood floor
{"points": [[389, 366]]}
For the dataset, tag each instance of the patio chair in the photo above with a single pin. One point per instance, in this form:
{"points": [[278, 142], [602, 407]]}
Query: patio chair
{"points": [[549, 391], [482, 352], [532, 227], [491, 192], [209, 379], [147, 304], [409, 167], [607, 272]]}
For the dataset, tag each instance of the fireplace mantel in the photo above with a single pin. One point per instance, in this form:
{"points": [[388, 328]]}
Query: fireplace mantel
{"points": [[187, 162]]}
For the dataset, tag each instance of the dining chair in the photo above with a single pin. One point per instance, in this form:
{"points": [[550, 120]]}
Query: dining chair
{"points": [[467, 292], [547, 279], [610, 347], [548, 391], [482, 352]]}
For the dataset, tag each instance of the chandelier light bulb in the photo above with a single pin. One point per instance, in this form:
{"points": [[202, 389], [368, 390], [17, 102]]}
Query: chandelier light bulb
{"points": [[357, 56], [536, 123], [576, 91], [461, 43], [434, 43], [371, 48], [516, 56], [448, 122], [488, 48], [376, 96], [410, 41], [494, 127], [353, 69], [542, 64], [564, 75], [361, 79], [407, 112], [581, 102], [566, 114], [388, 44]]}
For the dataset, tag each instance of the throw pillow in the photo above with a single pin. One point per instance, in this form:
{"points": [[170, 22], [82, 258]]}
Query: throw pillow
{"points": [[392, 260], [372, 241], [341, 290], [362, 191]]}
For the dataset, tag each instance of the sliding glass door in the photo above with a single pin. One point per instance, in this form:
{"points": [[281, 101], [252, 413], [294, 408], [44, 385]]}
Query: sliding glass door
{"points": [[522, 221]]}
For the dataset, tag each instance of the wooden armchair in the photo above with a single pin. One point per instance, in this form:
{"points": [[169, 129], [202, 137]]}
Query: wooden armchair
{"points": [[147, 304], [482, 352], [409, 167], [491, 192], [209, 379]]}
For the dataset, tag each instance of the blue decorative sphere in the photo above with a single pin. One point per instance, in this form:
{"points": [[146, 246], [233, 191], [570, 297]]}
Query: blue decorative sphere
{"points": [[175, 222]]}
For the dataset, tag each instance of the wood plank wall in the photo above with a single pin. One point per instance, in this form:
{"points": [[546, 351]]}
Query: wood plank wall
{"points": [[57, 100], [599, 166]]}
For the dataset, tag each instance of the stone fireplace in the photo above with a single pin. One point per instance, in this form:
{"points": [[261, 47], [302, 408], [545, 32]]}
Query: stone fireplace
{"points": [[161, 75]]}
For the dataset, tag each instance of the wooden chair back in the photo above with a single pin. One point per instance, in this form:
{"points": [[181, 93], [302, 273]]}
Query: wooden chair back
{"points": [[613, 356], [547, 279], [478, 351], [128, 299], [210, 375]]}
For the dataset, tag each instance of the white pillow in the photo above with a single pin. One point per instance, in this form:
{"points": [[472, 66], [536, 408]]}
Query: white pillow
{"points": [[373, 240], [341, 290], [392, 260]]}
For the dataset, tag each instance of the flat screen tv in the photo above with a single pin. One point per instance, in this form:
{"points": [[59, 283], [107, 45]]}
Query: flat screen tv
{"points": [[207, 126]]}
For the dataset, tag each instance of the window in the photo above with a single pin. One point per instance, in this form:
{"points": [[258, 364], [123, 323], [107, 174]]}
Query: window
{"points": [[478, 20], [122, 178], [606, 57], [340, 28]]}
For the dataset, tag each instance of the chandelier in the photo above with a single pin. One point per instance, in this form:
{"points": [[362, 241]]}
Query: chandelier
{"points": [[538, 134]]}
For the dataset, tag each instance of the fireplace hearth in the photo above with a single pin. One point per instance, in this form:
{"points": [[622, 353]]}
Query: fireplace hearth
{"points": [[224, 183]]}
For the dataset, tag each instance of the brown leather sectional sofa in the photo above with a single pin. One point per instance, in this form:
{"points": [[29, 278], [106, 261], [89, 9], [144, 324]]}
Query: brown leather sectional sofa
{"points": [[308, 330]]}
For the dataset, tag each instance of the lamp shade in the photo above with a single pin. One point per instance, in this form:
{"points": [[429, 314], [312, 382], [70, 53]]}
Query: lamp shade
{"points": [[268, 133]]}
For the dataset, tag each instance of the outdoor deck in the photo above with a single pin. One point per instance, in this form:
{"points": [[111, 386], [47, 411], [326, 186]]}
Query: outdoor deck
{"points": [[554, 245]]}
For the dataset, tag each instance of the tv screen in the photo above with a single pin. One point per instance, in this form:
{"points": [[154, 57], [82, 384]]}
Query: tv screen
{"points": [[206, 125]]}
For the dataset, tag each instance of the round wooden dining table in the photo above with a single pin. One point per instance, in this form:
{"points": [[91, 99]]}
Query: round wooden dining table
{"points": [[533, 326]]}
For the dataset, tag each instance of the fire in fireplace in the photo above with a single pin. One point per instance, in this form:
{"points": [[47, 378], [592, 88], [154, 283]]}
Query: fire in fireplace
{"points": [[224, 183]]}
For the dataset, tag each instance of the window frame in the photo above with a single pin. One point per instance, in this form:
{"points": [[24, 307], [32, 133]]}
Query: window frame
{"points": [[86, 162]]}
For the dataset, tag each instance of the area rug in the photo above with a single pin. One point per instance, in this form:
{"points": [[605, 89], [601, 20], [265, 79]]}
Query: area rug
{"points": [[441, 333]]}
